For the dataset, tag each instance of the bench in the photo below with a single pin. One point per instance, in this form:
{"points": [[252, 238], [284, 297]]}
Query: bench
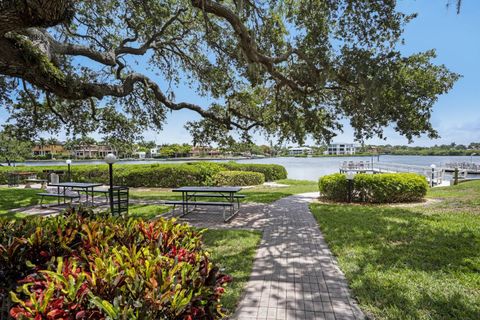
{"points": [[214, 195], [43, 182], [105, 192], [200, 203], [58, 196]]}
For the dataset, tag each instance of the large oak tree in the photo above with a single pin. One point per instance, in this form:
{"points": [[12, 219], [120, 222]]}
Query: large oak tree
{"points": [[289, 68]]}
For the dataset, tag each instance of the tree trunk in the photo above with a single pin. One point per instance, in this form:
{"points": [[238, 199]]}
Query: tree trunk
{"points": [[17, 15]]}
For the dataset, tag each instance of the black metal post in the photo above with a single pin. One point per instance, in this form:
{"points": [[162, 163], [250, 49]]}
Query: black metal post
{"points": [[350, 191], [69, 173], [110, 170], [433, 176]]}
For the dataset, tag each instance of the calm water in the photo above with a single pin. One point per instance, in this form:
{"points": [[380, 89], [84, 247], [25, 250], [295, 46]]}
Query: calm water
{"points": [[306, 168]]}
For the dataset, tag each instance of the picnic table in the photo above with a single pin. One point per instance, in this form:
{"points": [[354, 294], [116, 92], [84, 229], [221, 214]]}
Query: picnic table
{"points": [[227, 198], [15, 176], [63, 187]]}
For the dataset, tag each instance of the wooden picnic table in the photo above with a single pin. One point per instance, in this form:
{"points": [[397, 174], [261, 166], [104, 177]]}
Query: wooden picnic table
{"points": [[227, 198]]}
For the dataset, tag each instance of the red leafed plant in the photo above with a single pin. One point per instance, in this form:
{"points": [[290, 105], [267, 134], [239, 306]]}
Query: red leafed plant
{"points": [[101, 267]]}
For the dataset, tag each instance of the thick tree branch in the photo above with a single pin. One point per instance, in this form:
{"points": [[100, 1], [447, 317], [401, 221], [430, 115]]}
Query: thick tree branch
{"points": [[17, 15]]}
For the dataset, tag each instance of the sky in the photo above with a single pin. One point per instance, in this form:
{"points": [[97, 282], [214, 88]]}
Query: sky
{"points": [[455, 116]]}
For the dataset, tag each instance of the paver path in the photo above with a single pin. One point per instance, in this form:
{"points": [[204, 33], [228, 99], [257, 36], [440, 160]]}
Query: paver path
{"points": [[294, 274]]}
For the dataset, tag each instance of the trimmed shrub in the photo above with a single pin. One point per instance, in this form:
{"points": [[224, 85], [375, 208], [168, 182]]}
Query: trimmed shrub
{"points": [[155, 175], [271, 172], [239, 178], [390, 187], [375, 188], [97, 268], [334, 187]]}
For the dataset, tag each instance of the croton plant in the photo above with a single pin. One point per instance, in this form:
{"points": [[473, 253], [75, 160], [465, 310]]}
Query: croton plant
{"points": [[82, 267]]}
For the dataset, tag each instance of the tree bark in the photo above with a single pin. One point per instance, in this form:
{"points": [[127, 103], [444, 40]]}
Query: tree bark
{"points": [[17, 15]]}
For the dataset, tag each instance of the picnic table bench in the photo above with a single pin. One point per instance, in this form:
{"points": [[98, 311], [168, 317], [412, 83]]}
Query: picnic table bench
{"points": [[28, 182], [190, 195], [58, 196]]}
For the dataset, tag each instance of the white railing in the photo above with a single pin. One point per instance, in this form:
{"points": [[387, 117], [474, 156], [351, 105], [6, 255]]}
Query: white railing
{"points": [[438, 173]]}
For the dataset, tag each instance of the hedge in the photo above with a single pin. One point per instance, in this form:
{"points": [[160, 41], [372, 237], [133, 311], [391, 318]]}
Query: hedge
{"points": [[154, 175], [239, 178], [334, 187], [271, 172], [106, 268], [375, 188]]}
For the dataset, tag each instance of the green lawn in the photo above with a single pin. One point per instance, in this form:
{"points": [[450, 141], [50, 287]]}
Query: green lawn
{"points": [[259, 194], [233, 251], [464, 196], [147, 211], [12, 198], [420, 262]]}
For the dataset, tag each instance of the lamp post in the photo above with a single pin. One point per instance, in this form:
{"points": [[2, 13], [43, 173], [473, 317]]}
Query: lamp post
{"points": [[111, 159], [69, 162], [350, 175], [433, 174]]}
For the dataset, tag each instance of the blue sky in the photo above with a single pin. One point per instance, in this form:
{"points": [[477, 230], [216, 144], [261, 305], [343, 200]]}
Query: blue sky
{"points": [[455, 37]]}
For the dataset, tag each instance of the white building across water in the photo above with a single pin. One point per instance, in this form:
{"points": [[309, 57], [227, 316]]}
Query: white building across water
{"points": [[341, 148], [299, 151]]}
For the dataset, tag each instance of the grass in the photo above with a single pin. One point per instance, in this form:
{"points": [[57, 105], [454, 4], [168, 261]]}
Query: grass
{"points": [[12, 198], [258, 194], [147, 211], [264, 194], [420, 262], [233, 251], [464, 197]]}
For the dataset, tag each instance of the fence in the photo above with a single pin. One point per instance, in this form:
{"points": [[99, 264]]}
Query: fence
{"points": [[437, 174]]}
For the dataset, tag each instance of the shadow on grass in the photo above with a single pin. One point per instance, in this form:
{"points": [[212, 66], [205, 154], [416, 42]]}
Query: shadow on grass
{"points": [[405, 264], [15, 198]]}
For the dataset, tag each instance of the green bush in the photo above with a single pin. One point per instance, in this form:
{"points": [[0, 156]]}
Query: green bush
{"points": [[334, 187], [271, 172], [239, 178], [375, 188], [390, 187], [106, 268], [155, 175]]}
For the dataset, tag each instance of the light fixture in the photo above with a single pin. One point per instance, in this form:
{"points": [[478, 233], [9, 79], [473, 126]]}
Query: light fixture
{"points": [[110, 158], [350, 175]]}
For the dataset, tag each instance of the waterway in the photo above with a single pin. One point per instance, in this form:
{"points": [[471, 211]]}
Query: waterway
{"points": [[302, 168]]}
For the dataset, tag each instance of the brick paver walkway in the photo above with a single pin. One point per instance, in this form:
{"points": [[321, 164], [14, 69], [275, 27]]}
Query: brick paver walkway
{"points": [[294, 274]]}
